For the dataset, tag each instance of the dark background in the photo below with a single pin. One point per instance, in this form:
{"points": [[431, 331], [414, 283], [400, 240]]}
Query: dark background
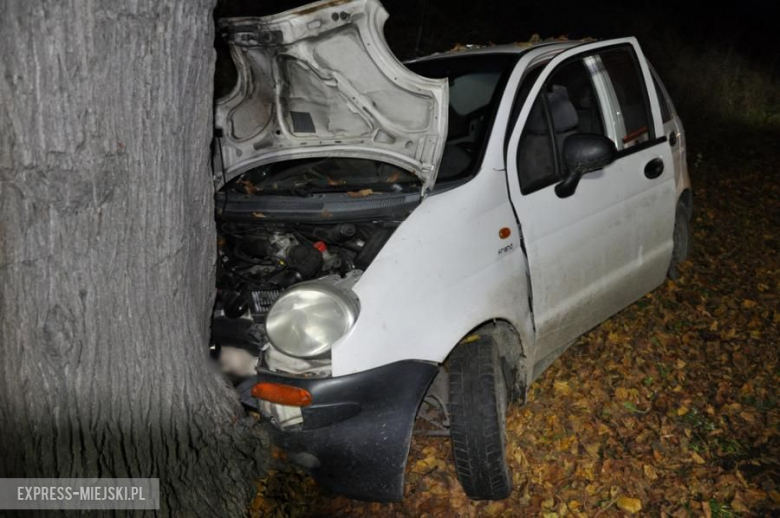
{"points": [[719, 60]]}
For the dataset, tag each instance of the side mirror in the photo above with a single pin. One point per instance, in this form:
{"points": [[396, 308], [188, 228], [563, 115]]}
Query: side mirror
{"points": [[584, 153]]}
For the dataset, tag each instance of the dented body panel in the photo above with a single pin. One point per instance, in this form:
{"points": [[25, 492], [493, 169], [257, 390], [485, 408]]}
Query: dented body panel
{"points": [[438, 300]]}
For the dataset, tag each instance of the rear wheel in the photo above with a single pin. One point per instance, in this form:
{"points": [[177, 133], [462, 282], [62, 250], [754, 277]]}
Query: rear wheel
{"points": [[682, 240], [478, 402]]}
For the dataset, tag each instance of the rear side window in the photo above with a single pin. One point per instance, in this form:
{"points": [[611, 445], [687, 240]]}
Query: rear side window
{"points": [[628, 83]]}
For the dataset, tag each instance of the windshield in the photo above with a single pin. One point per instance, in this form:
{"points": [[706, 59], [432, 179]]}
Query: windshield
{"points": [[476, 85], [353, 176]]}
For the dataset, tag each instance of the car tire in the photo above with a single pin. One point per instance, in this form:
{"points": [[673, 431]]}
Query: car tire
{"points": [[682, 240], [477, 407]]}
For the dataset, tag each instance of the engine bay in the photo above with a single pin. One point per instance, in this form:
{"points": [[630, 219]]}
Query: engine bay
{"points": [[257, 262]]}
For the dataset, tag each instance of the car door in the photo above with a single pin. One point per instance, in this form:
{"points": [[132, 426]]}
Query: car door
{"points": [[594, 252]]}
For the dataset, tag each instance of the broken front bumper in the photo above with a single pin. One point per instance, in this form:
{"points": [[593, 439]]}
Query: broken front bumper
{"points": [[356, 433]]}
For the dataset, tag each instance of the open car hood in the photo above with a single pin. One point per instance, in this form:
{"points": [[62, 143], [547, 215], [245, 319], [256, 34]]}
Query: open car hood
{"points": [[320, 80]]}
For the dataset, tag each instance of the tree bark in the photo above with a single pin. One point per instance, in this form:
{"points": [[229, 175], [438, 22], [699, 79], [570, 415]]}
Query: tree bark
{"points": [[107, 253]]}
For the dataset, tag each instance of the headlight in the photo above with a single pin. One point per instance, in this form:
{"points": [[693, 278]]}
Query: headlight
{"points": [[308, 319]]}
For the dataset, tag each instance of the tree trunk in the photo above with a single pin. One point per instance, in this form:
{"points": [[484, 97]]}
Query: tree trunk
{"points": [[107, 253]]}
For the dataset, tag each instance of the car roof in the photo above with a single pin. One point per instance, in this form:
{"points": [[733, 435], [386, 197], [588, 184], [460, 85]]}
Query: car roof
{"points": [[510, 48]]}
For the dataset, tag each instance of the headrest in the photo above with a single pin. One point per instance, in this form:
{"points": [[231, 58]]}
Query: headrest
{"points": [[562, 111]]}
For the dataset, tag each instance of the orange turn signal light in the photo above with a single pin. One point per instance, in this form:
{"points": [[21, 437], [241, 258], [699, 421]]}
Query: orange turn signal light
{"points": [[282, 394], [504, 232]]}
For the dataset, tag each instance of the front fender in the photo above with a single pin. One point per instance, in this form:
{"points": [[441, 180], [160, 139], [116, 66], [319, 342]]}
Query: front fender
{"points": [[443, 272]]}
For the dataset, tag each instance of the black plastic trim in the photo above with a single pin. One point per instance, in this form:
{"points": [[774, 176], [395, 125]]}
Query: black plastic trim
{"points": [[356, 433], [326, 207]]}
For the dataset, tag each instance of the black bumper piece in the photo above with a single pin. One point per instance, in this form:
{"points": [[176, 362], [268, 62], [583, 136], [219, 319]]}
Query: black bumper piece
{"points": [[356, 433]]}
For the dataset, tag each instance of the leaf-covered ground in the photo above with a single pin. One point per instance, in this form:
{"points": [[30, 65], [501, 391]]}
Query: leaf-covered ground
{"points": [[669, 408]]}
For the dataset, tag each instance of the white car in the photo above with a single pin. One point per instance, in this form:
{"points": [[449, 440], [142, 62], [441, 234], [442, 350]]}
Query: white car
{"points": [[464, 217]]}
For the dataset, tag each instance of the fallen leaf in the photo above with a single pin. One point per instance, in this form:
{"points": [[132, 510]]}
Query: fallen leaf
{"points": [[360, 194], [495, 508], [747, 416], [714, 325], [561, 388], [739, 505], [593, 448], [425, 465], [755, 495], [650, 472], [629, 505]]}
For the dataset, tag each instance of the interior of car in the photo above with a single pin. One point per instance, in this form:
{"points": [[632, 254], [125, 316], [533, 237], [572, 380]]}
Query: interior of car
{"points": [[568, 101]]}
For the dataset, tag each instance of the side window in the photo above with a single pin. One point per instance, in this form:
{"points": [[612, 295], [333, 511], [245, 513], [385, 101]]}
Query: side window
{"points": [[629, 87], [666, 113], [566, 105], [536, 152]]}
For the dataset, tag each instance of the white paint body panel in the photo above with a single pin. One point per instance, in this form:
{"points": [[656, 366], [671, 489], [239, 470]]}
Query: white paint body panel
{"points": [[439, 276], [320, 80]]}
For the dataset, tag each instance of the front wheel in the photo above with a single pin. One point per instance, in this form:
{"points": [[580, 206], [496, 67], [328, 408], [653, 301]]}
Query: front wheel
{"points": [[478, 402]]}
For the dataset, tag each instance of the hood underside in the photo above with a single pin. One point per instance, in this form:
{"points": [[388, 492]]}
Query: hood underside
{"points": [[320, 80]]}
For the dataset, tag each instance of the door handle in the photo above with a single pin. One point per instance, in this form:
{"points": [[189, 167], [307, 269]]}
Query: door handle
{"points": [[654, 168], [673, 138]]}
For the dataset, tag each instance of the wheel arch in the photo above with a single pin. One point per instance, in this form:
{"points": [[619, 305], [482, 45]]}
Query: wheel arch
{"points": [[511, 348]]}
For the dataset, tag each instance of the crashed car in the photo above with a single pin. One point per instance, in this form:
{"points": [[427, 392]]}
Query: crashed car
{"points": [[441, 231]]}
